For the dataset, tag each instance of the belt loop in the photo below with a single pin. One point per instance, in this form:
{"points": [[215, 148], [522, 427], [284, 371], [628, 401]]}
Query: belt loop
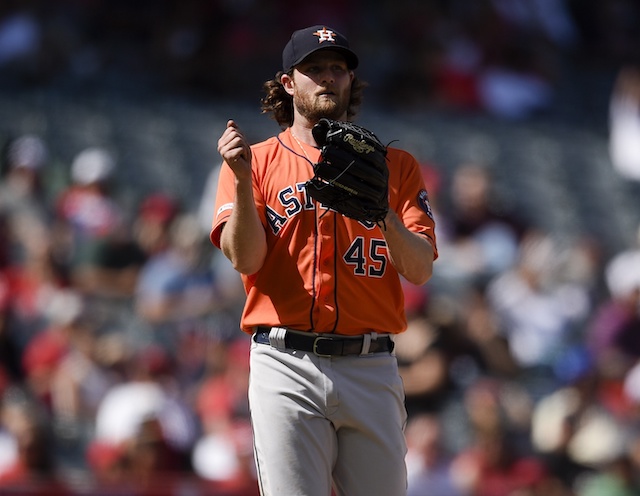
{"points": [[366, 344], [276, 338]]}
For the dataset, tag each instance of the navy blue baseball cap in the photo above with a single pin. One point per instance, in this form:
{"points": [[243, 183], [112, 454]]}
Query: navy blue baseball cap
{"points": [[306, 41]]}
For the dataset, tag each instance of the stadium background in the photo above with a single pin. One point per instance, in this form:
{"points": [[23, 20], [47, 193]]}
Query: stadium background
{"points": [[521, 87]]}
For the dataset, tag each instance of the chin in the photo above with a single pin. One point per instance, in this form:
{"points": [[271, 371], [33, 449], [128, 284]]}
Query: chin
{"points": [[330, 112]]}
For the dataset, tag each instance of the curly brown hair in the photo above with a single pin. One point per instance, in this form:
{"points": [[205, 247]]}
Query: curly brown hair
{"points": [[278, 102]]}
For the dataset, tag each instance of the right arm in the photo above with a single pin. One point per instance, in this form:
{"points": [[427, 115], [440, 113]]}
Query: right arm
{"points": [[243, 239]]}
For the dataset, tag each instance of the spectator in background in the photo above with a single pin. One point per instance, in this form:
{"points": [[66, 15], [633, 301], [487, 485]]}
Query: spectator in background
{"points": [[27, 272], [87, 212], [32, 282], [538, 309], [513, 87], [177, 287], [613, 330], [428, 463], [481, 234], [44, 352], [423, 365], [21, 41], [113, 268], [146, 405], [494, 405], [494, 466], [78, 384], [548, 19], [624, 123], [619, 473], [518, 75], [33, 465], [223, 454], [473, 339], [152, 226], [24, 203], [572, 429], [631, 391], [616, 478], [22, 173], [153, 464], [458, 61], [607, 442]]}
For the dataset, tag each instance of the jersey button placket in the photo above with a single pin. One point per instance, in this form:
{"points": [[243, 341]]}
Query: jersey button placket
{"points": [[325, 258]]}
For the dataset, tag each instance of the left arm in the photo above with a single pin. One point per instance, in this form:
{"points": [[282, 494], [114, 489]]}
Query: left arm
{"points": [[410, 253]]}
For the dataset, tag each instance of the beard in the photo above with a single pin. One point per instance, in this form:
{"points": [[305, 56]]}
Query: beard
{"points": [[313, 108]]}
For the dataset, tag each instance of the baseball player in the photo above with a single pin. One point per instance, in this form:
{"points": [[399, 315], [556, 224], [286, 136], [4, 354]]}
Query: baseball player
{"points": [[324, 296]]}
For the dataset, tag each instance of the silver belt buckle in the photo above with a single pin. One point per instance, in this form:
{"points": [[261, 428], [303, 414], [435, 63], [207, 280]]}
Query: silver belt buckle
{"points": [[315, 347]]}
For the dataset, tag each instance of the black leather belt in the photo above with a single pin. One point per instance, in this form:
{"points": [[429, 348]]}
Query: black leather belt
{"points": [[326, 345]]}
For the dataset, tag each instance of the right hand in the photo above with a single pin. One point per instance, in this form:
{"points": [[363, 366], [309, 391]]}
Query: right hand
{"points": [[235, 150]]}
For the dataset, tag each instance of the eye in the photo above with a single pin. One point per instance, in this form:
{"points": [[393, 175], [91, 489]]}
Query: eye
{"points": [[309, 69]]}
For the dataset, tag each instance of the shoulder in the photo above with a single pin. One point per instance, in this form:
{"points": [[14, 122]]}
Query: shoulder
{"points": [[268, 144], [400, 154], [398, 158], [266, 150]]}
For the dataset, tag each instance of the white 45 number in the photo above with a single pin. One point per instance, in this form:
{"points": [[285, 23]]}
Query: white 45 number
{"points": [[371, 262]]}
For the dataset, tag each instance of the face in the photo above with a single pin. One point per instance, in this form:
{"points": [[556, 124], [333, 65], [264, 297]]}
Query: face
{"points": [[320, 86]]}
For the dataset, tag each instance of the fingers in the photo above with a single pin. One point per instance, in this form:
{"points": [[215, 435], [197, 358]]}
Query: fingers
{"points": [[232, 145], [235, 150]]}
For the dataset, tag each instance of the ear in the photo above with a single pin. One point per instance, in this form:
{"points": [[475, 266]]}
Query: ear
{"points": [[287, 82]]}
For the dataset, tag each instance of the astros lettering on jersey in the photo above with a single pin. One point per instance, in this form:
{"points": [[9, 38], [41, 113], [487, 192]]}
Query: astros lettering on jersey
{"points": [[325, 248]]}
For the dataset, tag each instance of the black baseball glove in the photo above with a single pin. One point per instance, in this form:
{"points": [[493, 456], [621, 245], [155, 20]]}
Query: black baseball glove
{"points": [[351, 177]]}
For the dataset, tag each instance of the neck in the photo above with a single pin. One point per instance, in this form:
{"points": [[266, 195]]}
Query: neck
{"points": [[303, 133], [301, 128]]}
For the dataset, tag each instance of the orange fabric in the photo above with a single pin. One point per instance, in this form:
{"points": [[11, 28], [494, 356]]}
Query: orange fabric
{"points": [[323, 272]]}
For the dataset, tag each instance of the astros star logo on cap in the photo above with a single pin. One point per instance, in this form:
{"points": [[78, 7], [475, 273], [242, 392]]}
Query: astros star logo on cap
{"points": [[325, 34], [303, 43]]}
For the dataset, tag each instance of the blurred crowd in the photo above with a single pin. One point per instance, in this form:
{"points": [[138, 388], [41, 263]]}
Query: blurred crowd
{"points": [[122, 367], [120, 354], [123, 370], [507, 57]]}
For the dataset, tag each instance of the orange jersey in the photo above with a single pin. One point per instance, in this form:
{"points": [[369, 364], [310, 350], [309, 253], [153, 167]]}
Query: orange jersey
{"points": [[323, 272]]}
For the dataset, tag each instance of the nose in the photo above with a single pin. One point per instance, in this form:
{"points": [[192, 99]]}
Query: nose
{"points": [[327, 76]]}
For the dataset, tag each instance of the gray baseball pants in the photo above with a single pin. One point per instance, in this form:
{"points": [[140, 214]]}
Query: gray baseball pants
{"points": [[323, 419]]}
